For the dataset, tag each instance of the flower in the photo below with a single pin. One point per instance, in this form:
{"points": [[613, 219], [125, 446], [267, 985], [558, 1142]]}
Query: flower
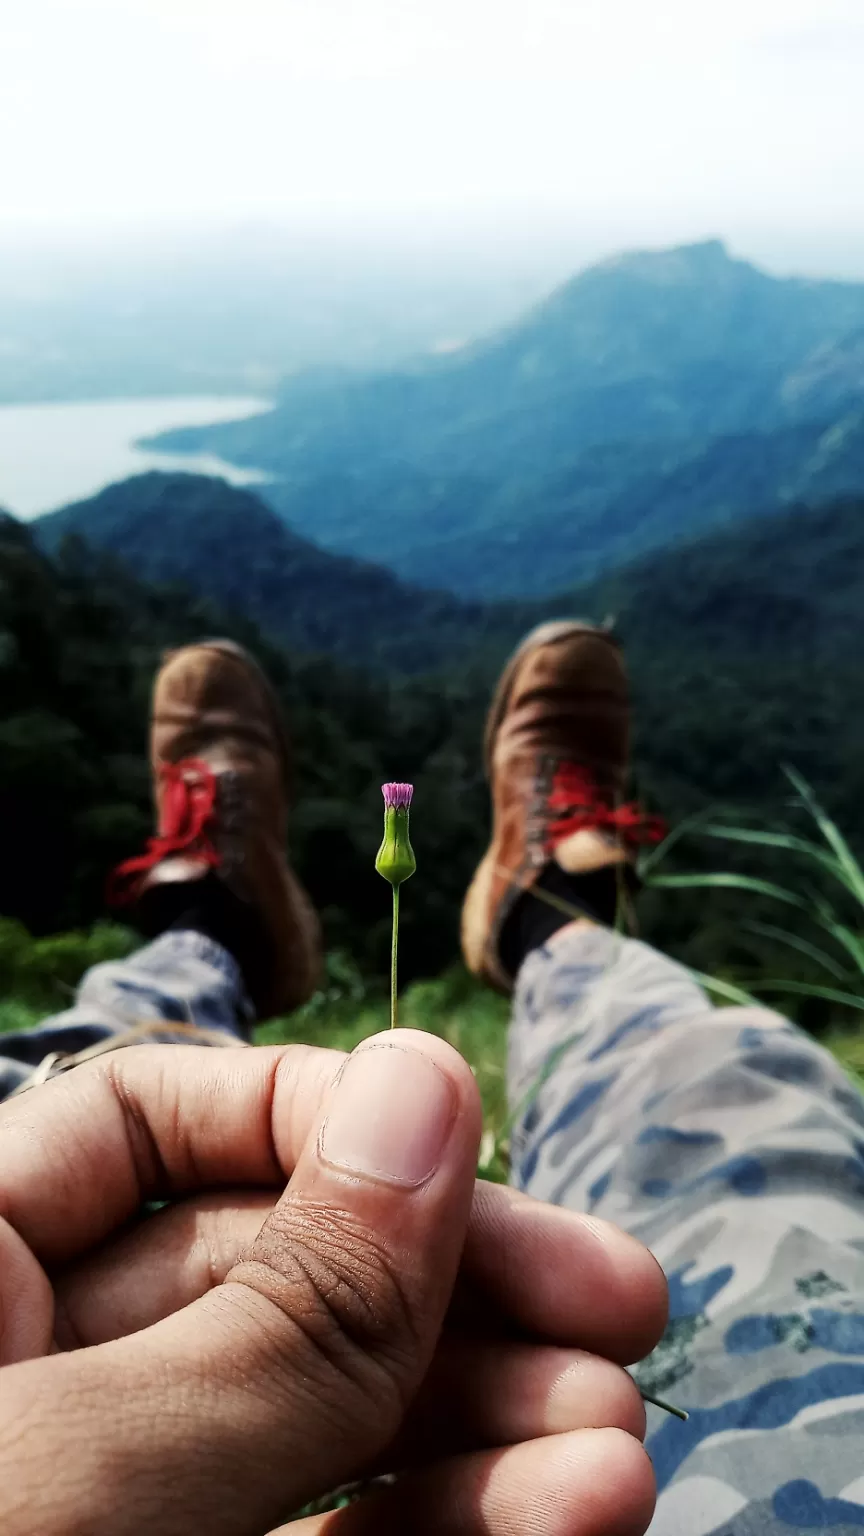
{"points": [[395, 861], [397, 796]]}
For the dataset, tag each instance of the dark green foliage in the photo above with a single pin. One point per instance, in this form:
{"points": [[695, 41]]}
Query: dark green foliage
{"points": [[226, 544], [654, 396], [43, 973], [742, 649], [79, 643]]}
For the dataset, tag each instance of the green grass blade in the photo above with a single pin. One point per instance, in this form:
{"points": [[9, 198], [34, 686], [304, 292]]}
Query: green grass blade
{"points": [[729, 881], [647, 861], [823, 916], [808, 989], [853, 875], [726, 989], [819, 912], [783, 840], [803, 946], [852, 942]]}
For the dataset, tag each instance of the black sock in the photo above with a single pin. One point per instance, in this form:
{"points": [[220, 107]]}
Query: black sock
{"points": [[208, 907], [531, 921]]}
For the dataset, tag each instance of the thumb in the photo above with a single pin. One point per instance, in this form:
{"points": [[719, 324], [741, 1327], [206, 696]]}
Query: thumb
{"points": [[290, 1376]]}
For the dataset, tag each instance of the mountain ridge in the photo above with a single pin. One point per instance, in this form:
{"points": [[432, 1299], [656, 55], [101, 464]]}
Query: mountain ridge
{"points": [[225, 544], [632, 371], [231, 549]]}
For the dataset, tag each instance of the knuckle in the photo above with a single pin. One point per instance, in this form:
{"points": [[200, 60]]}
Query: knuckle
{"points": [[335, 1282]]}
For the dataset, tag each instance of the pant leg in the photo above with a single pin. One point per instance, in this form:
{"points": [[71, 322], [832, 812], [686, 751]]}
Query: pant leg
{"points": [[733, 1146], [181, 978]]}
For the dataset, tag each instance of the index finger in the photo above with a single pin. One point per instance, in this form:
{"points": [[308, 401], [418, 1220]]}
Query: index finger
{"points": [[81, 1154]]}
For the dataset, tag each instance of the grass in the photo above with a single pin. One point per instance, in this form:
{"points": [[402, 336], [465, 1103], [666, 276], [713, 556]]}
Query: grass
{"points": [[454, 1006], [812, 954], [823, 895], [816, 914], [38, 978]]}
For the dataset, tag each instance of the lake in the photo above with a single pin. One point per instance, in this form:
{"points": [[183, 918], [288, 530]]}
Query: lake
{"points": [[57, 453]]}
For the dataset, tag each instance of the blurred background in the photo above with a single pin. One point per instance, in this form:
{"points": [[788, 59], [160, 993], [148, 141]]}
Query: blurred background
{"points": [[372, 332]]}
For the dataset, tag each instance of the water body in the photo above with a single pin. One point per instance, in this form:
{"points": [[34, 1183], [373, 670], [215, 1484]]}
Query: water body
{"points": [[53, 454]]}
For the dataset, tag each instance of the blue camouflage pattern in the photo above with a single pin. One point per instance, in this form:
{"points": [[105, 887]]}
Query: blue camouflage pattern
{"points": [[181, 979], [732, 1145]]}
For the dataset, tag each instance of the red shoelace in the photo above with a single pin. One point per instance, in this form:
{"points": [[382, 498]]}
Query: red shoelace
{"points": [[577, 803], [188, 805]]}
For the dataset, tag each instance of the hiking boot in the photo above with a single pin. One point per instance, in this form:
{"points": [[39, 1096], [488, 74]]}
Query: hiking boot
{"points": [[556, 747], [219, 756]]}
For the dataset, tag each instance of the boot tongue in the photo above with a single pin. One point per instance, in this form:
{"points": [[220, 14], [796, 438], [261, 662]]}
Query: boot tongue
{"points": [[589, 849], [179, 867]]}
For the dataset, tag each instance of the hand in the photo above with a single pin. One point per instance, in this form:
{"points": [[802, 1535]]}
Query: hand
{"points": [[218, 1364]]}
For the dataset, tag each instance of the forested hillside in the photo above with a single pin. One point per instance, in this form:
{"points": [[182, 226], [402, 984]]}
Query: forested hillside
{"points": [[80, 639], [656, 395], [226, 544], [743, 650]]}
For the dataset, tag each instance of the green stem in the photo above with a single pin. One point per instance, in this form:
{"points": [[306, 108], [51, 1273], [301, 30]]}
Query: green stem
{"points": [[393, 953], [669, 1408]]}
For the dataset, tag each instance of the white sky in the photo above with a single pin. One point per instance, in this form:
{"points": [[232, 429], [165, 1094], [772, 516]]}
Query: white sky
{"points": [[652, 119]]}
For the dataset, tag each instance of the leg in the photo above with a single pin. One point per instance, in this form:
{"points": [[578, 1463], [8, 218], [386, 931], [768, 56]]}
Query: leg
{"points": [[234, 933], [182, 986], [733, 1146], [723, 1138]]}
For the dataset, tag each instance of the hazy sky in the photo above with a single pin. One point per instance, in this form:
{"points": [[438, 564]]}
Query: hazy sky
{"points": [[635, 120]]}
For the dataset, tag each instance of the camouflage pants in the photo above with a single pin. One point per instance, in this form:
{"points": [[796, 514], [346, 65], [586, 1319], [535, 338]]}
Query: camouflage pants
{"points": [[182, 980], [733, 1146]]}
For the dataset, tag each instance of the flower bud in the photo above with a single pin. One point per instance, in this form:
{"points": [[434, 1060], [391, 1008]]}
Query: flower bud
{"points": [[396, 861]]}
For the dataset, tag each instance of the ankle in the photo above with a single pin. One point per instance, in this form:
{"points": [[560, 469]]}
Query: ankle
{"points": [[207, 906], [558, 899]]}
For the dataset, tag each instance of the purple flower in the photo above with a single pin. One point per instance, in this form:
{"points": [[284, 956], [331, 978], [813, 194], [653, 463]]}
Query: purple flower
{"points": [[397, 797]]}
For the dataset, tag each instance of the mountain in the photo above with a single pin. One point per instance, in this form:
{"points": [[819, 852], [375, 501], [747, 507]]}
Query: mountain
{"points": [[744, 639], [230, 310], [620, 500], [655, 395], [224, 544]]}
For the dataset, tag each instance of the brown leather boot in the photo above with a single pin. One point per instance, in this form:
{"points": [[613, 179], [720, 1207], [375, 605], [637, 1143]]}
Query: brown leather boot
{"points": [[557, 739], [219, 756]]}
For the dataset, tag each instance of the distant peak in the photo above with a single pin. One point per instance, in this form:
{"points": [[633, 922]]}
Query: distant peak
{"points": [[705, 250], [700, 261], [699, 256]]}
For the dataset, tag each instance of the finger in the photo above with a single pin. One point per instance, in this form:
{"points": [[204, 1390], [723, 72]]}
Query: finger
{"points": [[157, 1268], [588, 1483], [555, 1275], [81, 1154], [565, 1276], [477, 1392], [316, 1342], [484, 1393], [26, 1303]]}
